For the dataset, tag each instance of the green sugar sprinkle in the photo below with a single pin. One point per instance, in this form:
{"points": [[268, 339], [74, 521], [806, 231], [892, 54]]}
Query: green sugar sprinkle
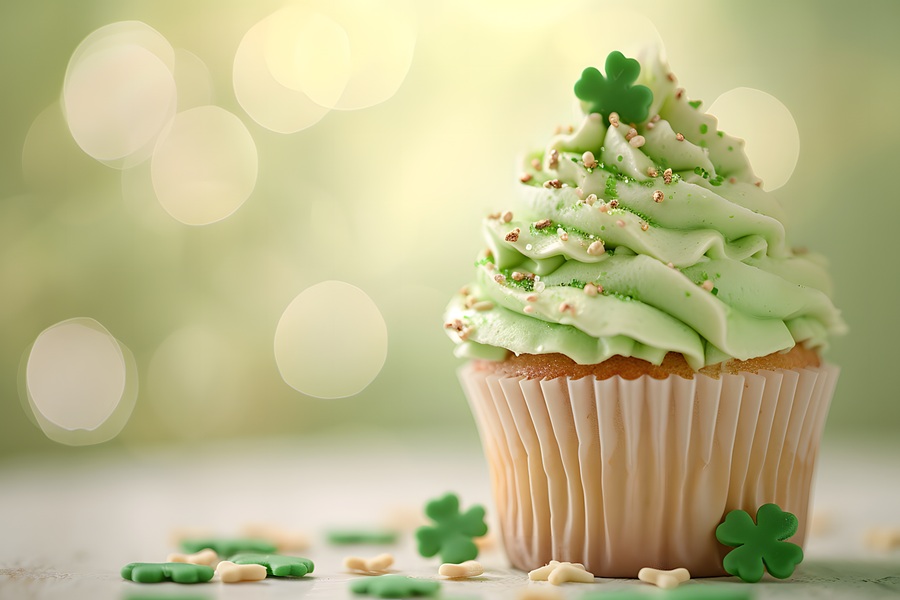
{"points": [[611, 188], [687, 294], [703, 128], [695, 104], [720, 134], [575, 283], [620, 158], [730, 148]]}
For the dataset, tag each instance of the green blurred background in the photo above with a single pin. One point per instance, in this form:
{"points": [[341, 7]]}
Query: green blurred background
{"points": [[389, 198]]}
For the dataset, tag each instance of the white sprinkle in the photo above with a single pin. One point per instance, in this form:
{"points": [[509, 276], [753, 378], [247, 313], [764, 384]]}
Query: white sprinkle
{"points": [[589, 161], [707, 285], [539, 286], [483, 305], [531, 298], [591, 199], [637, 141], [563, 235], [590, 289], [620, 223], [614, 119], [528, 309], [631, 133], [528, 247]]}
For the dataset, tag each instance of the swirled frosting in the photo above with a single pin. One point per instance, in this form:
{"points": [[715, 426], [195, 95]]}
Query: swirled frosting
{"points": [[665, 243]]}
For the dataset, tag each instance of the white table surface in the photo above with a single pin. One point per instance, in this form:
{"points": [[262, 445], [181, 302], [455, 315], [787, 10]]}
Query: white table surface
{"points": [[69, 524]]}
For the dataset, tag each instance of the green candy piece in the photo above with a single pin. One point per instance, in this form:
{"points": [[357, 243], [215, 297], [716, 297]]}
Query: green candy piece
{"points": [[452, 533], [760, 546], [361, 536], [159, 572], [228, 546], [616, 92], [394, 586], [277, 565]]}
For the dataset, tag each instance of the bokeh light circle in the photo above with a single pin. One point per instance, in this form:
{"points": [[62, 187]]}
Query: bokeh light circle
{"points": [[193, 80], [767, 126], [205, 167], [382, 36], [269, 103], [119, 92], [331, 341], [308, 52], [79, 383]]}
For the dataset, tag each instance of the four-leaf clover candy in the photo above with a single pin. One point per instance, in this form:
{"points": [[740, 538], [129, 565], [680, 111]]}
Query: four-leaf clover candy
{"points": [[452, 532], [760, 546], [277, 565], [159, 572], [616, 92], [394, 586]]}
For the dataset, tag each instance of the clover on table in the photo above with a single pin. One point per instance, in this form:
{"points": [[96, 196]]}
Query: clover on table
{"points": [[159, 572], [760, 546], [276, 565], [452, 532], [616, 92], [395, 586]]}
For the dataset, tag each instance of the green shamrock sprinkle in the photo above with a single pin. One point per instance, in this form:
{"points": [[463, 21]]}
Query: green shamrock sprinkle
{"points": [[361, 536], [159, 572], [616, 92], [277, 565], [394, 586], [227, 547], [760, 546], [452, 533]]}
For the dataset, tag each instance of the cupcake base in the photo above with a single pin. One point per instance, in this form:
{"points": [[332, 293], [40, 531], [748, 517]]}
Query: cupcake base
{"points": [[622, 474]]}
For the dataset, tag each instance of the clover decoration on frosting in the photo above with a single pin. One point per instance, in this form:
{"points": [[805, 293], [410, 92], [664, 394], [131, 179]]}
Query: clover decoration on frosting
{"points": [[394, 586], [452, 532], [760, 546], [616, 92]]}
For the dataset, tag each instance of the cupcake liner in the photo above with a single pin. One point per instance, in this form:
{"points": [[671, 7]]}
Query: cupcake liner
{"points": [[622, 474]]}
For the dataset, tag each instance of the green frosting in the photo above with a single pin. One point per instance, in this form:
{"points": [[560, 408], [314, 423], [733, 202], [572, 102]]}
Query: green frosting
{"points": [[699, 265]]}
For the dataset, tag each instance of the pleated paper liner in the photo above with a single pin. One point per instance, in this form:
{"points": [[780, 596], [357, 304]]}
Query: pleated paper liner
{"points": [[622, 474]]}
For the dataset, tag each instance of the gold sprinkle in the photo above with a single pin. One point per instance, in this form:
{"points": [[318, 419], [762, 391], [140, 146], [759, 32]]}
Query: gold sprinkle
{"points": [[536, 164], [599, 288], [667, 176], [495, 215], [590, 162], [631, 133], [553, 183], [613, 203], [707, 285], [644, 226], [470, 300], [590, 289], [679, 93], [732, 180], [655, 119], [614, 119], [566, 307], [591, 199], [650, 125], [531, 298], [500, 278], [604, 208], [465, 333], [464, 290], [670, 76], [620, 223], [558, 130], [758, 183], [507, 217], [490, 266], [513, 236], [542, 224], [596, 248], [652, 172], [528, 309], [658, 196], [670, 265], [579, 192], [679, 137], [455, 324], [553, 162], [563, 235], [483, 305], [517, 276], [637, 141], [571, 129], [525, 177]]}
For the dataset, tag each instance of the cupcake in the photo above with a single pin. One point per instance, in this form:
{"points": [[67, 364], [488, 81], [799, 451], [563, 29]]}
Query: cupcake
{"points": [[643, 344]]}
